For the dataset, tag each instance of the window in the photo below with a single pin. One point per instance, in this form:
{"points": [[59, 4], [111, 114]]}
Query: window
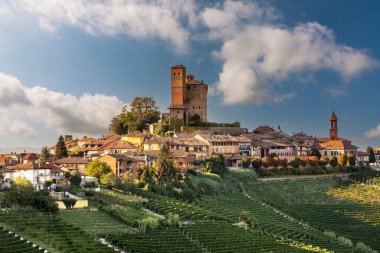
{"points": [[174, 74], [193, 107], [177, 112], [180, 164], [199, 107]]}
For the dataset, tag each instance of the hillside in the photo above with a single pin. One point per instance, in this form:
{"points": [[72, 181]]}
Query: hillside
{"points": [[239, 214]]}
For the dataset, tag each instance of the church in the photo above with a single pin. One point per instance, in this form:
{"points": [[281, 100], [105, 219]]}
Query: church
{"points": [[334, 145], [189, 96]]}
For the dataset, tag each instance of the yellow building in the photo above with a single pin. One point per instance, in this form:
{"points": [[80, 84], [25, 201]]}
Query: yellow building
{"points": [[135, 138]]}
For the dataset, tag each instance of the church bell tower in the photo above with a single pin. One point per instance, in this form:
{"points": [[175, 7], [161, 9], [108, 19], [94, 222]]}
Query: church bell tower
{"points": [[333, 127]]}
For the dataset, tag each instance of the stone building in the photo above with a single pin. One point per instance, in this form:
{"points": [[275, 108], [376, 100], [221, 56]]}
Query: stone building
{"points": [[189, 96]]}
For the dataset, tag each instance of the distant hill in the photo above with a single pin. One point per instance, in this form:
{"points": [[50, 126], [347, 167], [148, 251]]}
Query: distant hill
{"points": [[19, 149]]}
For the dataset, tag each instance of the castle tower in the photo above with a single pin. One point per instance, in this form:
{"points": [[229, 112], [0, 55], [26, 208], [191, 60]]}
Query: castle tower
{"points": [[333, 127], [177, 108], [178, 77]]}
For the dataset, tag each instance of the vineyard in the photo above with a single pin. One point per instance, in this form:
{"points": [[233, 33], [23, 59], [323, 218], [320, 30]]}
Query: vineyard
{"points": [[292, 215]]}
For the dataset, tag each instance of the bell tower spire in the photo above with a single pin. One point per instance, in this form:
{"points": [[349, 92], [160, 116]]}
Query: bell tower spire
{"points": [[333, 126]]}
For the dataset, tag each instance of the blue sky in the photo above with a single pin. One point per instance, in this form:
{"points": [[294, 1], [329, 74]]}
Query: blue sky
{"points": [[69, 66]]}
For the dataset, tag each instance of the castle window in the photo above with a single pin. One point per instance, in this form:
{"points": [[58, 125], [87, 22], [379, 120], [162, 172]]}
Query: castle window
{"points": [[179, 74], [199, 107], [174, 73]]}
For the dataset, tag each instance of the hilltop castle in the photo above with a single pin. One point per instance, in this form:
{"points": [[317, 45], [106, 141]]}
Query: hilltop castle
{"points": [[189, 96]]}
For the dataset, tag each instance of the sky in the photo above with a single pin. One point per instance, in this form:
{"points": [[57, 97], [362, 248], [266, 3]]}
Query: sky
{"points": [[68, 67]]}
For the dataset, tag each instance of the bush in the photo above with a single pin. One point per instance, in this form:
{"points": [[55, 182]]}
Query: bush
{"points": [[215, 164], [69, 202], [333, 161], [295, 162], [256, 163], [110, 181]]}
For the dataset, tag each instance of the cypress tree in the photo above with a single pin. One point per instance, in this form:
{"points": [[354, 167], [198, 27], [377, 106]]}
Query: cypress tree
{"points": [[60, 148], [371, 155]]}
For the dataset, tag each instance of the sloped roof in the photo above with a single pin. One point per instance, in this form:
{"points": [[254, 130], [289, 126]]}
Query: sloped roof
{"points": [[118, 144], [71, 160], [263, 130], [333, 116]]}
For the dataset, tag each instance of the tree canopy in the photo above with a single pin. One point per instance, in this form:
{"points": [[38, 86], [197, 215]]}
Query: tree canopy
{"points": [[97, 168], [164, 169], [45, 155], [142, 112], [371, 155], [60, 148]]}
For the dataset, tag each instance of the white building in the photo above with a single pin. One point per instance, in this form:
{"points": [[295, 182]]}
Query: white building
{"points": [[37, 174]]}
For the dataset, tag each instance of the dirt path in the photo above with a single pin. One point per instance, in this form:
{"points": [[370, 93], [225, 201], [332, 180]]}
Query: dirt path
{"points": [[305, 176]]}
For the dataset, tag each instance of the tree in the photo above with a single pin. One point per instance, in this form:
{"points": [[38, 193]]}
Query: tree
{"points": [[313, 161], [371, 155], [246, 161], [267, 162], [75, 180], [351, 160], [45, 155], [110, 181], [215, 164], [284, 163], [97, 168], [324, 161], [303, 161], [342, 160], [295, 162], [23, 190], [143, 111], [315, 152], [163, 169], [146, 176], [275, 162], [333, 161], [162, 128], [60, 148], [256, 163]]}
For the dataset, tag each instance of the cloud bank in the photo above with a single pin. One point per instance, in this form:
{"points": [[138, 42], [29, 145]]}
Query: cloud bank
{"points": [[373, 133], [163, 19], [257, 53], [20, 105]]}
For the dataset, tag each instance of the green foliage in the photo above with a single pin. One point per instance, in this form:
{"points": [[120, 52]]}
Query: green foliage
{"points": [[173, 219], [110, 181], [45, 155], [143, 112], [342, 160], [163, 169], [315, 152], [351, 160], [69, 202], [148, 223], [246, 162], [215, 164], [75, 180], [162, 128], [97, 168], [333, 161], [371, 155], [295, 162], [60, 148], [42, 200], [256, 163], [146, 176]]}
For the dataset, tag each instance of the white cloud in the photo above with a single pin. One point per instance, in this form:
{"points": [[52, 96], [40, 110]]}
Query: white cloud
{"points": [[141, 19], [13, 126], [338, 91], [373, 133], [87, 114], [258, 55]]}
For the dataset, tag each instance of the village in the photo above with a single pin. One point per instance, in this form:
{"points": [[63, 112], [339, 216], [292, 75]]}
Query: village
{"points": [[129, 154]]}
